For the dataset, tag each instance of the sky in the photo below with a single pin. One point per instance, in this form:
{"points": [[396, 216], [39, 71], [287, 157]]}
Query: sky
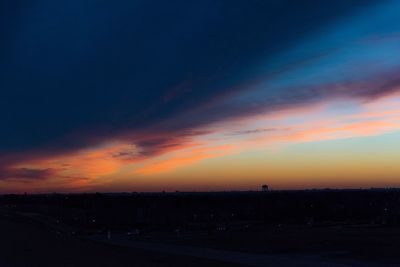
{"points": [[105, 96]]}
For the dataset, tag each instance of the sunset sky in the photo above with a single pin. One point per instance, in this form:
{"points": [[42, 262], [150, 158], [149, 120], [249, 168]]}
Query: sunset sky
{"points": [[198, 95]]}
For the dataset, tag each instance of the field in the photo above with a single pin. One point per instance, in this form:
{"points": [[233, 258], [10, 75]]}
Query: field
{"points": [[23, 244]]}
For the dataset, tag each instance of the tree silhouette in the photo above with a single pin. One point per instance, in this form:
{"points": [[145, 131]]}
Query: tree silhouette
{"points": [[264, 188]]}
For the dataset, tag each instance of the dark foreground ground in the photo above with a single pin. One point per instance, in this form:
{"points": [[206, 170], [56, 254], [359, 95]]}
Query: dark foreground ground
{"points": [[23, 244], [27, 243], [350, 245], [30, 244], [310, 228]]}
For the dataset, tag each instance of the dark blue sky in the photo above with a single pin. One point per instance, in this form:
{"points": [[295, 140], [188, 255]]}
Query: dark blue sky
{"points": [[78, 67]]}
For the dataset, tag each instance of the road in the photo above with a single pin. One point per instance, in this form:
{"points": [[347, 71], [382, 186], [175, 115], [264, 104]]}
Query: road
{"points": [[257, 260]]}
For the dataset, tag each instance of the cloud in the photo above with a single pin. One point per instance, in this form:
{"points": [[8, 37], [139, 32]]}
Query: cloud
{"points": [[90, 88], [27, 174], [185, 158], [254, 131], [329, 120]]}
